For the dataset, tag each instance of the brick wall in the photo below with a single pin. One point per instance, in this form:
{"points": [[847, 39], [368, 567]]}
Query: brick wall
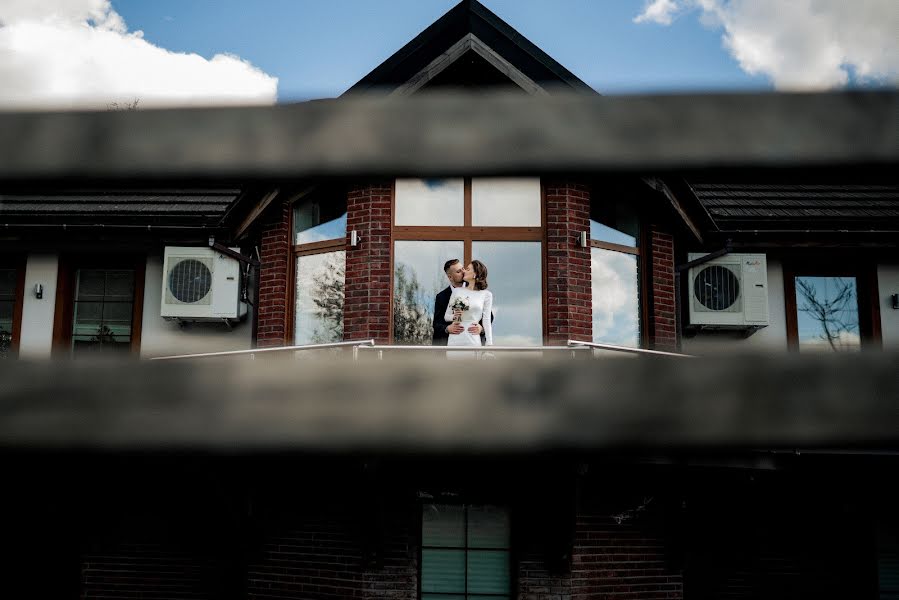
{"points": [[620, 562], [367, 301], [273, 279], [663, 311], [568, 301]]}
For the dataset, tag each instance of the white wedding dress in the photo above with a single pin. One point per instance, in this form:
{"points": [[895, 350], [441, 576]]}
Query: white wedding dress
{"points": [[480, 305]]}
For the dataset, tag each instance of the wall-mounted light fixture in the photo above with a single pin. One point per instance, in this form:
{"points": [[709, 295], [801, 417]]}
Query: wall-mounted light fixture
{"points": [[38, 291], [355, 238], [582, 239]]}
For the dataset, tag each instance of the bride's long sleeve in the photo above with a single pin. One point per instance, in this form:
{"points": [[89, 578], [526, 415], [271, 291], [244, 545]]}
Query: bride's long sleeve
{"points": [[448, 315], [486, 319]]}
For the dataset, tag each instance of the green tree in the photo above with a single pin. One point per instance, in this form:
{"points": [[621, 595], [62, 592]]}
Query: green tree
{"points": [[411, 315]]}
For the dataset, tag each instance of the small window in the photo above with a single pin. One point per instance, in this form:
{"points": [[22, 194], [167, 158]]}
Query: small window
{"points": [[505, 202], [103, 311], [614, 221], [430, 202], [318, 221], [465, 552]]}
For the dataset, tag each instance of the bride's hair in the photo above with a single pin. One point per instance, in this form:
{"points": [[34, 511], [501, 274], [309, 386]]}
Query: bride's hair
{"points": [[480, 275]]}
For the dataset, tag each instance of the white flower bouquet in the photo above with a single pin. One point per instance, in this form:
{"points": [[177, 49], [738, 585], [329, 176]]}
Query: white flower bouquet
{"points": [[460, 303]]}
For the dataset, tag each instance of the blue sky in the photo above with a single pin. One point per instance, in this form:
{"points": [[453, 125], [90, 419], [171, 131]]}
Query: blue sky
{"points": [[96, 53], [319, 49]]}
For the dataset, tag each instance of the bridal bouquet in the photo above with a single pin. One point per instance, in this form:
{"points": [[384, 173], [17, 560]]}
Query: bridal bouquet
{"points": [[460, 303]]}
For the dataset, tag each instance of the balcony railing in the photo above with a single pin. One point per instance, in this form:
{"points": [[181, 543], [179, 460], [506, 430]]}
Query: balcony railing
{"points": [[573, 348]]}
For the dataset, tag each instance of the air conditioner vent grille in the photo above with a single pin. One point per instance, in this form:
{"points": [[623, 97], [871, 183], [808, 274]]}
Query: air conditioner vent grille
{"points": [[190, 281], [717, 288]]}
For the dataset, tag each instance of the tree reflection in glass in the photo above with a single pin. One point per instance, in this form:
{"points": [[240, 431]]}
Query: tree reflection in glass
{"points": [[320, 296], [417, 278], [827, 314]]}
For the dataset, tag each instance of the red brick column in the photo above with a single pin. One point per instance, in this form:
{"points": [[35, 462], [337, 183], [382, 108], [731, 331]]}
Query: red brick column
{"points": [[366, 309], [663, 326], [568, 288], [273, 278]]}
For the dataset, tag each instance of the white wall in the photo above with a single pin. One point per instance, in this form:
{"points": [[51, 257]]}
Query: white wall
{"points": [[160, 337], [887, 285], [772, 338], [36, 339]]}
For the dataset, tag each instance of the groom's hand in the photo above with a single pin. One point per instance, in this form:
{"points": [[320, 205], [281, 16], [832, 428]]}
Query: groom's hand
{"points": [[454, 328]]}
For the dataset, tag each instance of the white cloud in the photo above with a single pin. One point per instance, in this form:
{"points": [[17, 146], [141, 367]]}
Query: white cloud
{"points": [[68, 53], [800, 44]]}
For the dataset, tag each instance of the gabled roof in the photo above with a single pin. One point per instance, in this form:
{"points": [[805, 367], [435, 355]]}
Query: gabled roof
{"points": [[782, 207], [469, 29]]}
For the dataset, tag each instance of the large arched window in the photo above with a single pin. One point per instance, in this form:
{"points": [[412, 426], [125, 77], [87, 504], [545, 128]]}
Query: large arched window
{"points": [[498, 221], [615, 268]]}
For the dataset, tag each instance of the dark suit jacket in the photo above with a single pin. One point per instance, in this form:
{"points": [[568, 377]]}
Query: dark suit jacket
{"points": [[441, 301]]}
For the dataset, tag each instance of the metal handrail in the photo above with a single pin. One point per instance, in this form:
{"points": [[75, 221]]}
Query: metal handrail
{"points": [[355, 344], [471, 348], [626, 349]]}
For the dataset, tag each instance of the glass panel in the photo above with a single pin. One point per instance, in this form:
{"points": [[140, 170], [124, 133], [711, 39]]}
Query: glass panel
{"points": [[320, 294], [488, 572], [417, 278], [446, 597], [7, 284], [443, 525], [430, 202], [614, 221], [827, 314], [316, 221], [514, 276], [91, 284], [488, 527], [442, 570], [102, 312], [119, 285], [505, 201], [616, 300]]}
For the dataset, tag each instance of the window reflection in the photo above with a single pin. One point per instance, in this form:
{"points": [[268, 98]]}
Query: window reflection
{"points": [[320, 295], [616, 306], [316, 221], [515, 278], [827, 314], [614, 221], [103, 311], [418, 276], [430, 202], [505, 202]]}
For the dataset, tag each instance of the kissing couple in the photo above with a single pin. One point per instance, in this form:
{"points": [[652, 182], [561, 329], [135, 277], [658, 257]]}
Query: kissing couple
{"points": [[459, 310]]}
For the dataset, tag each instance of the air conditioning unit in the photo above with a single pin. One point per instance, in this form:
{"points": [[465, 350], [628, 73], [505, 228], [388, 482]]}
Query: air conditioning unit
{"points": [[201, 284], [729, 292]]}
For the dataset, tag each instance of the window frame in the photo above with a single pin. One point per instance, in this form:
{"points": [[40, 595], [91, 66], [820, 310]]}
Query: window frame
{"points": [[19, 264], [454, 501], [468, 233], [63, 318], [644, 279], [866, 290], [307, 249]]}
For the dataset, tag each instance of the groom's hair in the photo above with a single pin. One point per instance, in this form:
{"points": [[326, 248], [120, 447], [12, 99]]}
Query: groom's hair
{"points": [[449, 263]]}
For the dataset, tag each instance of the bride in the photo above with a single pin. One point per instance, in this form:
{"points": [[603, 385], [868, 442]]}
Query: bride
{"points": [[471, 304]]}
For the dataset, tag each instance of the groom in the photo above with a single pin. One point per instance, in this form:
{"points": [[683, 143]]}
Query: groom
{"points": [[442, 328]]}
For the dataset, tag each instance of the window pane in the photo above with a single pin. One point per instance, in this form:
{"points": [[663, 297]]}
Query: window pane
{"points": [[613, 221], [430, 202], [488, 572], [616, 300], [320, 294], [7, 284], [7, 306], [317, 220], [488, 527], [827, 314], [417, 278], [514, 276], [447, 597], [505, 201], [443, 525], [442, 570], [102, 312]]}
